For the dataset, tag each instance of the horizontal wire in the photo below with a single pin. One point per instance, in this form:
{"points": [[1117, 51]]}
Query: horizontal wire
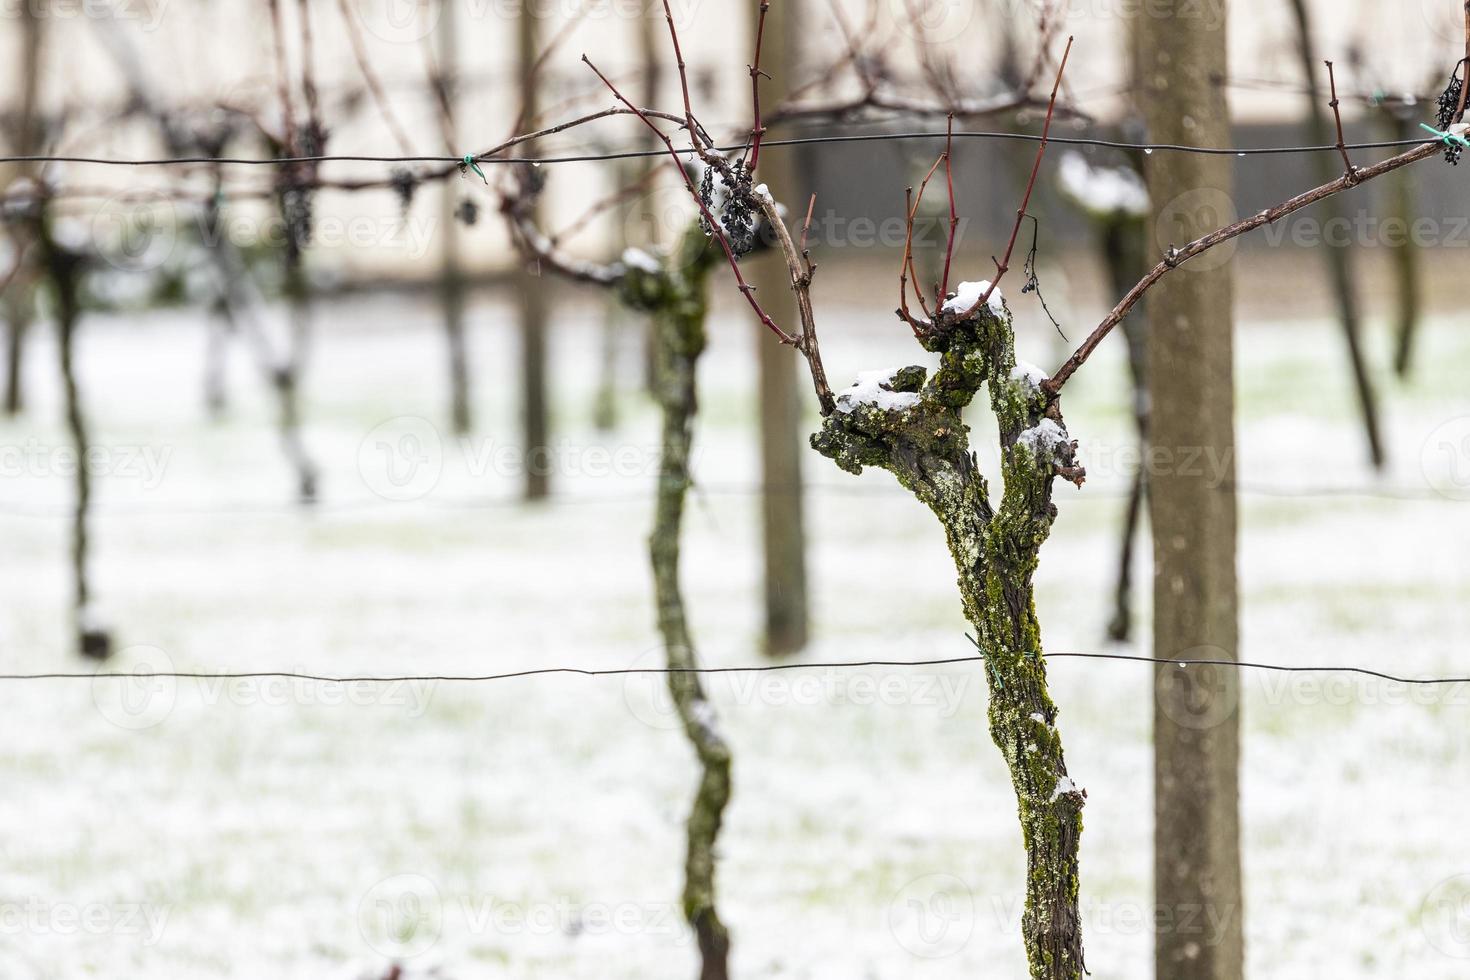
{"points": [[760, 669], [7, 509], [733, 148]]}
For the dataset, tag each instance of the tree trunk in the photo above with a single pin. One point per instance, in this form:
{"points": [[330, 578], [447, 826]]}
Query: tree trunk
{"points": [[915, 431], [1403, 205], [676, 299], [1338, 257], [63, 269], [782, 505], [1123, 244], [1191, 387], [287, 379], [531, 290], [451, 277]]}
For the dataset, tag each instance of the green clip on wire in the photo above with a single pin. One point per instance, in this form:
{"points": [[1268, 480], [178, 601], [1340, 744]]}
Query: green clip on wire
{"points": [[1449, 139], [993, 672], [469, 161]]}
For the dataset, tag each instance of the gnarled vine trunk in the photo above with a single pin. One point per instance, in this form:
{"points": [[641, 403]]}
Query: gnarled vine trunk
{"points": [[910, 424], [675, 296]]}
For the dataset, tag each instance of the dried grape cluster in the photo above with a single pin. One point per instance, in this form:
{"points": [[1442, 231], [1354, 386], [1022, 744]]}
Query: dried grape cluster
{"points": [[731, 206], [1449, 107]]}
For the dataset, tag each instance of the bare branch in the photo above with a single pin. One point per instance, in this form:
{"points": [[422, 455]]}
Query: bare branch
{"points": [[1347, 162], [1179, 256], [711, 221], [1005, 262]]}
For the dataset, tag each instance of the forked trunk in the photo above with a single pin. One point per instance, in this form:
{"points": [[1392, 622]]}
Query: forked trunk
{"points": [[910, 425]]}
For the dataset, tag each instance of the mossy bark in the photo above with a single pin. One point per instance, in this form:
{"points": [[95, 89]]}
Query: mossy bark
{"points": [[674, 295], [923, 441]]}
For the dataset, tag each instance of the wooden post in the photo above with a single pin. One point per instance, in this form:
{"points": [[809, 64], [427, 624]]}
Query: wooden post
{"points": [[782, 442], [531, 291], [1192, 509], [451, 277]]}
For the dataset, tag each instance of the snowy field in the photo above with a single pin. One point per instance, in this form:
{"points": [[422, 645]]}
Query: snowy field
{"points": [[532, 828]]}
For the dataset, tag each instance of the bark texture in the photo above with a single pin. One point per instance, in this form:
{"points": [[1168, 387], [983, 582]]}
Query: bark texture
{"points": [[451, 276], [1192, 513], [915, 430], [675, 296], [532, 291]]}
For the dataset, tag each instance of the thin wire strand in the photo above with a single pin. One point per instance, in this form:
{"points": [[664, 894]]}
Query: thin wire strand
{"points": [[759, 669], [732, 148], [245, 507]]}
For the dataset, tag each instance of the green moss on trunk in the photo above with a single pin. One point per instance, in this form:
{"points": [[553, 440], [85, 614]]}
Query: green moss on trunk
{"points": [[675, 296], [924, 442]]}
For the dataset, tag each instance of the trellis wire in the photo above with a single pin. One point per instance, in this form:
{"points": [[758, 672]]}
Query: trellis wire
{"points": [[796, 141], [757, 669], [8, 509]]}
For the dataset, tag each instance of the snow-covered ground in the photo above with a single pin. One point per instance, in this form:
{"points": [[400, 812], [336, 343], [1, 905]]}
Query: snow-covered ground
{"points": [[532, 828]]}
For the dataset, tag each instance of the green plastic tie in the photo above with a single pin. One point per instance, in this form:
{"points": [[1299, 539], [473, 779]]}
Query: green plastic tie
{"points": [[1449, 139], [469, 161]]}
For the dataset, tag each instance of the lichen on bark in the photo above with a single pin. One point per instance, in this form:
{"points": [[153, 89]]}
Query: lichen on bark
{"points": [[674, 295], [924, 442]]}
